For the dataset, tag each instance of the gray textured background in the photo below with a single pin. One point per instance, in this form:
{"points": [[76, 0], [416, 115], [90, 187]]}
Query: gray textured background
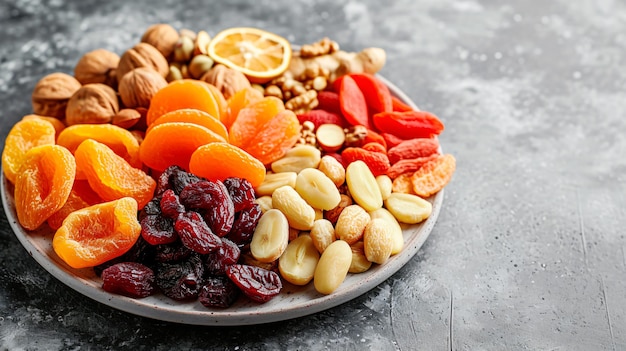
{"points": [[529, 250]]}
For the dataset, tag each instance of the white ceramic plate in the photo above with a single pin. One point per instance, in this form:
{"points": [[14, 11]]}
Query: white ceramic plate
{"points": [[292, 302]]}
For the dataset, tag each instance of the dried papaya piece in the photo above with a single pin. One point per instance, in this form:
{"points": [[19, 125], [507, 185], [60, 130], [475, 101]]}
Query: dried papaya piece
{"points": [[353, 104], [409, 124], [22, 137], [110, 176], [402, 184], [413, 148], [98, 233], [118, 139], [376, 93], [434, 175], [43, 184]]}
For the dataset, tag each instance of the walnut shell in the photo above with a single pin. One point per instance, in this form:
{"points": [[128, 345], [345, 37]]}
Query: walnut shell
{"points": [[163, 37], [227, 80], [142, 55], [138, 87], [94, 103], [98, 66], [51, 94]]}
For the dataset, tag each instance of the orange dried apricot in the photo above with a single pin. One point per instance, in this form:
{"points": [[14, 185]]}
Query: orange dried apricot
{"points": [[43, 184], [218, 161], [222, 104], [434, 175], [56, 123], [173, 143], [98, 233], [184, 93], [110, 176], [118, 139], [194, 116], [265, 129], [22, 137], [240, 100], [74, 202]]}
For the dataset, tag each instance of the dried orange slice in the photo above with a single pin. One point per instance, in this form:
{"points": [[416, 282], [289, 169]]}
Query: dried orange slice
{"points": [[258, 54]]}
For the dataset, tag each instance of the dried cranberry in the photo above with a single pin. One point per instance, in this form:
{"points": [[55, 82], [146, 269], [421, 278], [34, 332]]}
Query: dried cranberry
{"points": [[196, 234], [157, 229], [173, 252], [258, 284], [218, 292], [217, 261], [213, 197], [170, 204], [244, 225], [175, 178], [129, 279], [181, 280], [241, 192]]}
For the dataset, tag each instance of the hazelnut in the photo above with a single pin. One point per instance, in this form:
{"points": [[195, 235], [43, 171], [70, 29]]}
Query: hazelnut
{"points": [[126, 118], [201, 44], [92, 103], [163, 37], [97, 66], [138, 87], [183, 50], [51, 94], [199, 65], [227, 80], [142, 55]]}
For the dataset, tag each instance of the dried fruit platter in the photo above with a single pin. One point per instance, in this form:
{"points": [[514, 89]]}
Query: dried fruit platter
{"points": [[293, 301]]}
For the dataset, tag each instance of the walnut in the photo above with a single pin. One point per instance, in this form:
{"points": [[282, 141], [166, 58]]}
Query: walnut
{"points": [[303, 102], [227, 80], [163, 37], [92, 103], [138, 87], [51, 94], [355, 135], [142, 55], [97, 66], [322, 47]]}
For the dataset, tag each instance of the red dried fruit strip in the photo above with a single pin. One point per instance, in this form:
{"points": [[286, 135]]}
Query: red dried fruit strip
{"points": [[373, 137], [409, 124], [328, 101], [376, 93], [391, 140], [434, 175], [377, 162], [374, 147], [319, 117], [408, 165], [413, 148], [353, 104], [399, 106], [402, 184]]}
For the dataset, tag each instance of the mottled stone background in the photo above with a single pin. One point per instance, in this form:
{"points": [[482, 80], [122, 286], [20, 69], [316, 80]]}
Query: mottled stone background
{"points": [[529, 249]]}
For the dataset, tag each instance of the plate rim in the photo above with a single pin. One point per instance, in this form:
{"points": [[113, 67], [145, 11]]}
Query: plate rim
{"points": [[200, 315]]}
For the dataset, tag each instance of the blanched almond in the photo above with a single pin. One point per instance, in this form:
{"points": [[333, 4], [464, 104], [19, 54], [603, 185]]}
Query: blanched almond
{"points": [[297, 264], [298, 212], [333, 266], [363, 186], [317, 189], [333, 170], [270, 237], [377, 241], [351, 224], [322, 234], [408, 208]]}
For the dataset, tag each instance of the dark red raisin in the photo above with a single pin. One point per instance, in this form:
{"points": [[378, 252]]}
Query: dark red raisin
{"points": [[241, 192], [153, 207], [175, 178], [244, 225], [129, 279], [157, 229], [217, 261], [196, 234], [170, 204], [173, 252], [213, 197], [218, 292], [181, 280], [258, 284]]}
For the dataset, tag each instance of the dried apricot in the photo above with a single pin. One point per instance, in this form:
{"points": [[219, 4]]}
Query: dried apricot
{"points": [[173, 143], [218, 161], [240, 100], [194, 116], [265, 130], [98, 233], [56, 123], [110, 176], [22, 137], [74, 202], [43, 184], [222, 104], [185, 93], [434, 175], [118, 139]]}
